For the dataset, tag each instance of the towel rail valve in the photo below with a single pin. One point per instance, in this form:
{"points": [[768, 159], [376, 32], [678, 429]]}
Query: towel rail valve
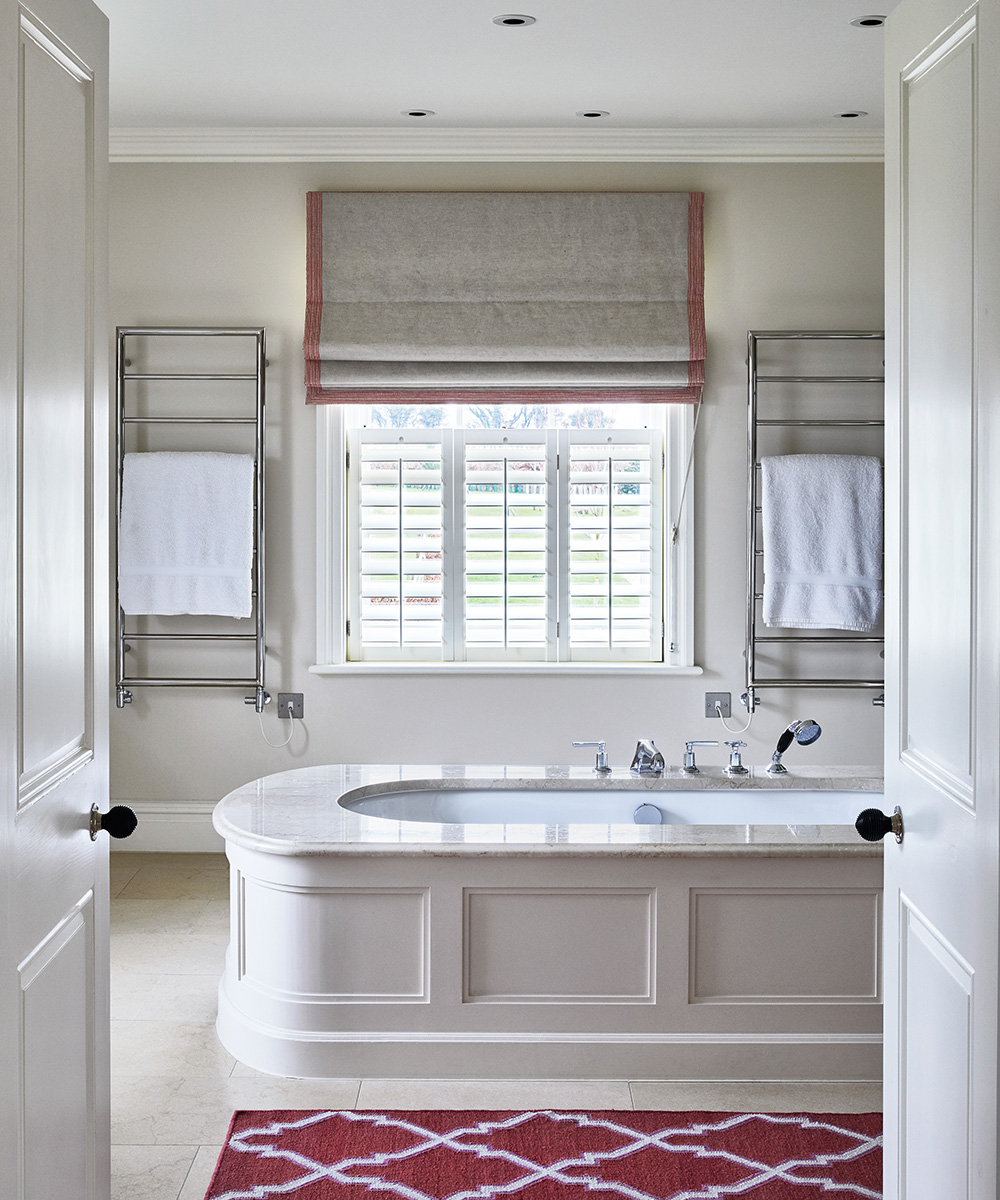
{"points": [[122, 696], [258, 699]]}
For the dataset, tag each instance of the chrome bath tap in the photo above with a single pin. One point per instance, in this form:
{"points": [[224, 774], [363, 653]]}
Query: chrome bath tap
{"points": [[648, 760], [736, 766], [690, 766], [601, 766]]}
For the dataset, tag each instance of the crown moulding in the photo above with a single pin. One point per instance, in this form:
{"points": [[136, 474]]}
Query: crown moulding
{"points": [[493, 145]]}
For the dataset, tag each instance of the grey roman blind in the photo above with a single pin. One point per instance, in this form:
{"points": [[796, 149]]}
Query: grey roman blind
{"points": [[442, 296]]}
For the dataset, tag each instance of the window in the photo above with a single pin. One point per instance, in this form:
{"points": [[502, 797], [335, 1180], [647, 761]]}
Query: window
{"points": [[504, 536]]}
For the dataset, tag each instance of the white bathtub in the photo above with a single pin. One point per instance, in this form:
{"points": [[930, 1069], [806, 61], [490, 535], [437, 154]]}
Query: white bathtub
{"points": [[528, 806], [514, 922]]}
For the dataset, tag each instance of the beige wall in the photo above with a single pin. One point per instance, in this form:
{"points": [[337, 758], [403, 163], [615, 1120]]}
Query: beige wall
{"points": [[787, 246]]}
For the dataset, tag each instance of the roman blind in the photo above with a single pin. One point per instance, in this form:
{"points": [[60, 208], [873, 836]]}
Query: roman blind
{"points": [[430, 297]]}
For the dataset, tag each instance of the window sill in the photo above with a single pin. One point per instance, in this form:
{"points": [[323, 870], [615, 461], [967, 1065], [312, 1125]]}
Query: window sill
{"points": [[492, 668]]}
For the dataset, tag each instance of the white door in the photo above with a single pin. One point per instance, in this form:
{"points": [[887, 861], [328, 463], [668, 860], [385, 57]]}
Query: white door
{"points": [[54, 1074], [943, 612]]}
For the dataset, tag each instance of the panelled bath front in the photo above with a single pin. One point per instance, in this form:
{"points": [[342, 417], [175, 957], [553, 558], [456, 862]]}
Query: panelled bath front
{"points": [[496, 933]]}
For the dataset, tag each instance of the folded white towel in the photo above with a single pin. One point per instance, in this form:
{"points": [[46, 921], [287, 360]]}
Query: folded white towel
{"points": [[185, 542], [822, 527]]}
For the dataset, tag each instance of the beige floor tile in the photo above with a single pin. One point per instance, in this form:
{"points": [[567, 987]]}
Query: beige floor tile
{"points": [[200, 1175], [177, 883], [479, 1093], [168, 1048], [168, 953], [150, 1172], [150, 1110], [130, 993], [270, 1091], [192, 999], [168, 1110], [155, 916], [215, 918], [758, 1097], [120, 875], [156, 858]]}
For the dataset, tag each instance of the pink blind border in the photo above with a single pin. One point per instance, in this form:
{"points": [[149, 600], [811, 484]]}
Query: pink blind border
{"points": [[696, 300], [314, 296], [317, 394]]}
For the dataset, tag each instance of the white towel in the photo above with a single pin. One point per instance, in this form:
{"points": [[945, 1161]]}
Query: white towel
{"points": [[822, 527], [185, 542]]}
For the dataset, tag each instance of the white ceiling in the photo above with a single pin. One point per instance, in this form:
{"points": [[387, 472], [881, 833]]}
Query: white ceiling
{"points": [[652, 64]]}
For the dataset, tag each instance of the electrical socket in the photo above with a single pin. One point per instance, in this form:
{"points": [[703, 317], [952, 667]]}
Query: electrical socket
{"points": [[724, 700], [290, 705]]}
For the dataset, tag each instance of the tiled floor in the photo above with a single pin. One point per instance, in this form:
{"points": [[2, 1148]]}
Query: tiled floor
{"points": [[174, 1088]]}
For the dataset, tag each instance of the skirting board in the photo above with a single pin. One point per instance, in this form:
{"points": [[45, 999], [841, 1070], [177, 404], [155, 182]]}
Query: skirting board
{"points": [[732, 1058], [172, 826]]}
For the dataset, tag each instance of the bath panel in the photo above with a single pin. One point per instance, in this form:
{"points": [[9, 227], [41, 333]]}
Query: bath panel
{"points": [[368, 946]]}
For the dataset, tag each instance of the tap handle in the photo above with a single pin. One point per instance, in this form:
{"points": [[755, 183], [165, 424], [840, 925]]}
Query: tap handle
{"points": [[735, 767], [690, 766], [602, 759]]}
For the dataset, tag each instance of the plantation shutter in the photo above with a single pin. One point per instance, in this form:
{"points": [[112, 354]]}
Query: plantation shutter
{"points": [[510, 541], [441, 296], [613, 521], [396, 544], [505, 545]]}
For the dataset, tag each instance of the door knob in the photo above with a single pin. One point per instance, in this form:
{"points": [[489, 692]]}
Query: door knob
{"points": [[119, 822], [873, 824]]}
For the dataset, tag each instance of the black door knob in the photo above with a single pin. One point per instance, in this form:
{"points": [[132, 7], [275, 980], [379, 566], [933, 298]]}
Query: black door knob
{"points": [[119, 822], [873, 824]]}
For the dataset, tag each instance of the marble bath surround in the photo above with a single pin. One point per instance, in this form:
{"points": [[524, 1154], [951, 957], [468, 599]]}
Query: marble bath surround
{"points": [[728, 950], [303, 812]]}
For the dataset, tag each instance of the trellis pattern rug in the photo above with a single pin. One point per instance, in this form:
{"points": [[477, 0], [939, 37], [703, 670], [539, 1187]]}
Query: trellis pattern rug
{"points": [[549, 1155]]}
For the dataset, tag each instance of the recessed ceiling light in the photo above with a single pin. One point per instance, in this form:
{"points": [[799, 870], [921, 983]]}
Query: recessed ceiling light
{"points": [[513, 19], [593, 112], [418, 112], [872, 22], [854, 112]]}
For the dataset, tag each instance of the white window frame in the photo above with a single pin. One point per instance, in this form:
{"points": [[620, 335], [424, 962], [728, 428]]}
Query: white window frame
{"points": [[332, 540]]}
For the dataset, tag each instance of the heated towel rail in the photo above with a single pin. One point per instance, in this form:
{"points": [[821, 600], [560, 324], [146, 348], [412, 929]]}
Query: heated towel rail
{"points": [[126, 418], [800, 384]]}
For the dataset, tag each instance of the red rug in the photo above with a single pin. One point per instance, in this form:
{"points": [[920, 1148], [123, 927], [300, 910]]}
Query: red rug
{"points": [[549, 1155]]}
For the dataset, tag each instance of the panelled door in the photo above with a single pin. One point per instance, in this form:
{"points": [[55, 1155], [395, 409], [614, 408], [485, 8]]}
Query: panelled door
{"points": [[943, 612], [54, 1089]]}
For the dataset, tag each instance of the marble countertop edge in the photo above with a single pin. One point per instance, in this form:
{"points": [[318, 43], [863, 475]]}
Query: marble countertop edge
{"points": [[296, 813]]}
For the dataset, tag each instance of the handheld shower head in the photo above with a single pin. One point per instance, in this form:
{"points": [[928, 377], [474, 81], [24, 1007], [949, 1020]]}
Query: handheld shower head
{"points": [[803, 732]]}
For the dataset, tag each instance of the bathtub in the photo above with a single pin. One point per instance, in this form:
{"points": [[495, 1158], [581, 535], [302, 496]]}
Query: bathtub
{"points": [[529, 922], [575, 806]]}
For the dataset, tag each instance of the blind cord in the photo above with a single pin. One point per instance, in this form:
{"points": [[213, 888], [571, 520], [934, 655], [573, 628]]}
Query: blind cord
{"points": [[676, 527]]}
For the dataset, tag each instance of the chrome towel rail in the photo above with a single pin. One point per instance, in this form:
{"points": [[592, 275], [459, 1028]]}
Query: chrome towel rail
{"points": [[755, 423], [124, 377]]}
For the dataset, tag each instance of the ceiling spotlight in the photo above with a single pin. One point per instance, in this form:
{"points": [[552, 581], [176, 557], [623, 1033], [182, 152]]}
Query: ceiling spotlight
{"points": [[854, 112], [872, 22], [418, 112], [513, 19], [593, 112]]}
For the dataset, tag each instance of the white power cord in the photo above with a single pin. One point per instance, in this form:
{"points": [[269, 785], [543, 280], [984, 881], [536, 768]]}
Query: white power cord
{"points": [[291, 731], [718, 709]]}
